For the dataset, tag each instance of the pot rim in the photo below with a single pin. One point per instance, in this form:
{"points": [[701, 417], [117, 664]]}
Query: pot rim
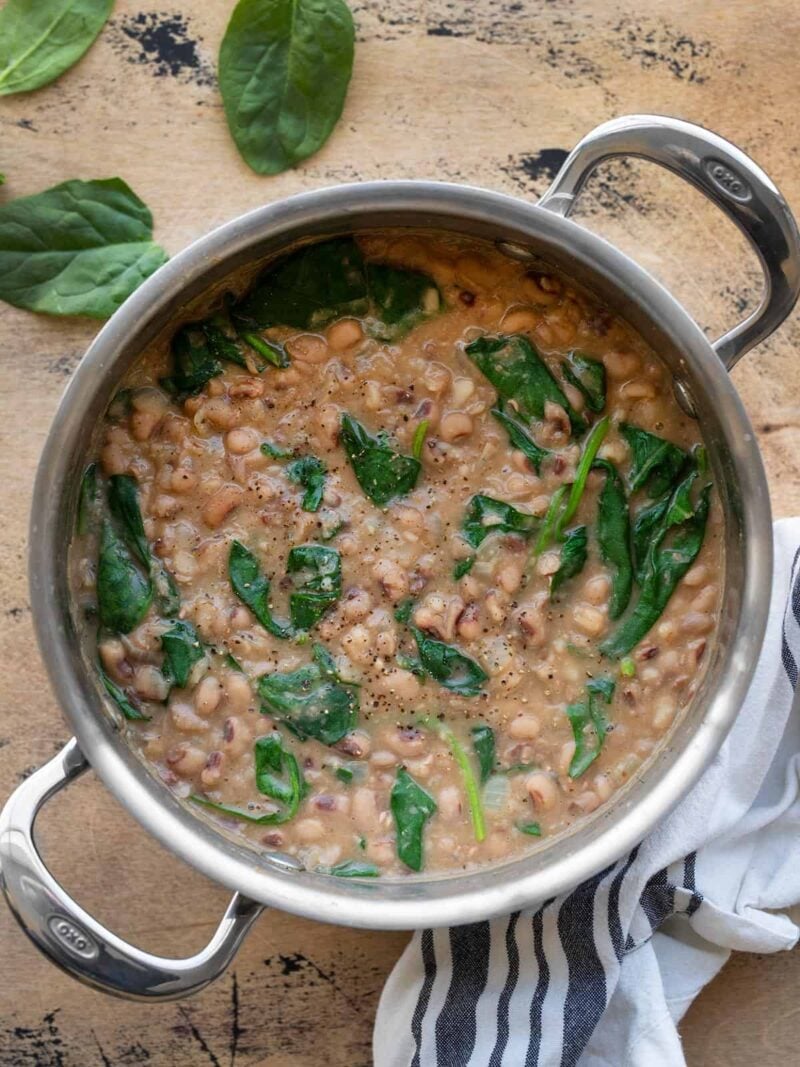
{"points": [[436, 900]]}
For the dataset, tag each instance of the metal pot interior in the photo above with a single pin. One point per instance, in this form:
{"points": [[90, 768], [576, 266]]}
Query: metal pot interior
{"points": [[521, 230]]}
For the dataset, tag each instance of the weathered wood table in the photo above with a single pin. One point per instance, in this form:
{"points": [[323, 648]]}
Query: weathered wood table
{"points": [[480, 91]]}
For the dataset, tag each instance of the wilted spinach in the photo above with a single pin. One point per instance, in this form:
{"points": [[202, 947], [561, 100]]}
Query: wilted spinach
{"points": [[321, 589], [253, 588], [40, 39], [87, 499], [123, 500], [381, 472], [673, 549], [193, 363], [326, 281], [450, 667], [532, 829], [124, 594], [411, 808], [588, 376], [484, 744], [614, 537], [354, 869], [182, 649], [308, 472], [310, 703], [574, 551], [519, 436], [284, 68], [655, 463], [80, 248], [589, 724], [271, 759], [463, 566], [518, 373], [588, 455], [485, 515], [122, 700]]}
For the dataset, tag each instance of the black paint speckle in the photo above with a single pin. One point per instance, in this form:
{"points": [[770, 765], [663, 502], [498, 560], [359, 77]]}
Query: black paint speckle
{"points": [[661, 46], [162, 42], [545, 164], [27, 124]]}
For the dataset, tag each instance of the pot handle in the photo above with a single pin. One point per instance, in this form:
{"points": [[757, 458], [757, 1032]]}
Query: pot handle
{"points": [[68, 935], [729, 178]]}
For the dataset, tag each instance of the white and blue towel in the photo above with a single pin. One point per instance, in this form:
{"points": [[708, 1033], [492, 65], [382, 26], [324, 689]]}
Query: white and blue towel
{"points": [[600, 977]]}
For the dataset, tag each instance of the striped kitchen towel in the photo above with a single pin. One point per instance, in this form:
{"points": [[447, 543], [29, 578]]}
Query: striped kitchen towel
{"points": [[601, 976]]}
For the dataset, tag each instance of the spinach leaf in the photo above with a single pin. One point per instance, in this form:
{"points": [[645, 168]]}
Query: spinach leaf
{"points": [[550, 522], [381, 472], [271, 759], [590, 449], [87, 499], [399, 299], [122, 700], [418, 440], [518, 373], [655, 463], [573, 558], [223, 345], [470, 783], [310, 703], [344, 774], [484, 745], [614, 537], [193, 363], [182, 649], [232, 662], [532, 829], [665, 564], [355, 869], [449, 666], [411, 808], [309, 602], [123, 499], [275, 451], [463, 566], [308, 289], [253, 588], [674, 507], [308, 472], [589, 724], [589, 377], [80, 248], [485, 516], [284, 68], [40, 39], [124, 594], [519, 437]]}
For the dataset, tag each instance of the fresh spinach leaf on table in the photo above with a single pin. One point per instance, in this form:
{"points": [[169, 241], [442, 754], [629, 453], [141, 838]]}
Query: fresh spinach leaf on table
{"points": [[382, 472], [322, 569], [310, 703], [411, 808], [123, 499], [284, 68], [80, 248], [124, 594], [40, 39], [518, 373]]}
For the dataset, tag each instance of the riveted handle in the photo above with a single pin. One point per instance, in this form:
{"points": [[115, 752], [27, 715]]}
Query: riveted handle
{"points": [[729, 178], [72, 938]]}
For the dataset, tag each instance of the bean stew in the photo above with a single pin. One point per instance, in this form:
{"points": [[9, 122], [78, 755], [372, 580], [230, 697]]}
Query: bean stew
{"points": [[402, 555]]}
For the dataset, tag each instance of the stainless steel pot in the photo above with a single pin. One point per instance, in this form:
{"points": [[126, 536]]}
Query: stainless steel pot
{"points": [[81, 945]]}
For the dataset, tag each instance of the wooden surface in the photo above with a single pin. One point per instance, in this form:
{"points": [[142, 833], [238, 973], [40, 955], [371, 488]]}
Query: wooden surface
{"points": [[477, 91]]}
